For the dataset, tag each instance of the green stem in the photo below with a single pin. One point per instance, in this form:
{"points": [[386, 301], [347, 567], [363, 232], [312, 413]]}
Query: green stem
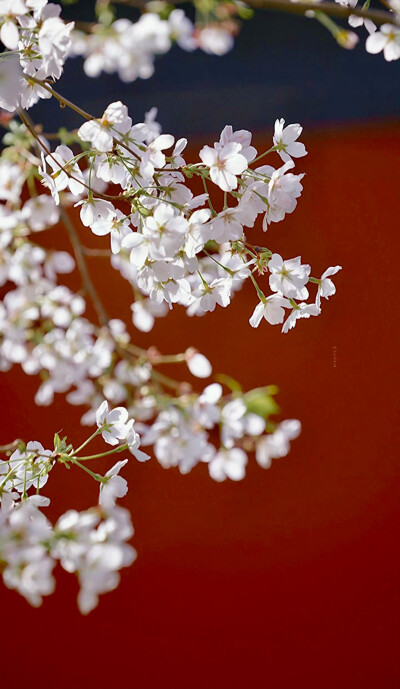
{"points": [[328, 23], [86, 442], [165, 380], [260, 294], [228, 270], [213, 211], [270, 150], [120, 448], [7, 476], [88, 471], [170, 359]]}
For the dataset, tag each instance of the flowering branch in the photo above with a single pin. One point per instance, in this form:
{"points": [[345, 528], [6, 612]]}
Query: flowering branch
{"points": [[173, 246]]}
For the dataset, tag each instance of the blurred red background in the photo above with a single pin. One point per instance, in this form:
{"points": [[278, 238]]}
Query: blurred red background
{"points": [[289, 579]]}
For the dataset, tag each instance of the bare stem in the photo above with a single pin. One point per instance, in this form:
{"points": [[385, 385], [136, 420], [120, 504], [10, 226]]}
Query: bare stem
{"points": [[96, 252], [61, 99], [332, 9], [65, 102]]}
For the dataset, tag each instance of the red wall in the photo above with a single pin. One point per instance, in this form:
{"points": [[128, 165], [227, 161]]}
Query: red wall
{"points": [[289, 579]]}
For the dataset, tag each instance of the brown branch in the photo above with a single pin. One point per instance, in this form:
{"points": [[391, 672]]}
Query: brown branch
{"points": [[81, 263], [65, 102], [332, 9]]}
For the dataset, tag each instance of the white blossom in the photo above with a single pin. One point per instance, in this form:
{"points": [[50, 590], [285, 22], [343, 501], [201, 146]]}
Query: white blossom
{"points": [[285, 138], [228, 463], [277, 444], [114, 486], [386, 38], [273, 310], [101, 133], [225, 164], [288, 277], [10, 80], [326, 288], [114, 422]]}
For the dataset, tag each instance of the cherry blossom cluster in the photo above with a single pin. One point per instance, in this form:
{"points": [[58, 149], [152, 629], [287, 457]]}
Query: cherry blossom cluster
{"points": [[129, 48], [181, 233], [173, 246], [39, 40], [385, 38], [93, 544], [44, 329], [159, 245]]}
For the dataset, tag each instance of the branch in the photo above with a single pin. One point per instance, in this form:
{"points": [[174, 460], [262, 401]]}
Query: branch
{"points": [[81, 262], [332, 9], [65, 102]]}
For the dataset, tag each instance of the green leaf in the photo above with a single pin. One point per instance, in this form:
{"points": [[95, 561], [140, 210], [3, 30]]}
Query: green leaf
{"points": [[57, 442], [260, 401]]}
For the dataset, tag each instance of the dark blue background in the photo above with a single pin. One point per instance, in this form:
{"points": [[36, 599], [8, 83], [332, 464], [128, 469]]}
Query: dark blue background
{"points": [[281, 66]]}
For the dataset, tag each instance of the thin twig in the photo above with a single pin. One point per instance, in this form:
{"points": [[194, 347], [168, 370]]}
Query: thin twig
{"points": [[65, 102], [81, 262], [96, 252]]}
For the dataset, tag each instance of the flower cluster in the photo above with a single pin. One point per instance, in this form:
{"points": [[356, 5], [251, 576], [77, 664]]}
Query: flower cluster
{"points": [[40, 41], [93, 544], [384, 39], [129, 48], [173, 246], [180, 233], [43, 327]]}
